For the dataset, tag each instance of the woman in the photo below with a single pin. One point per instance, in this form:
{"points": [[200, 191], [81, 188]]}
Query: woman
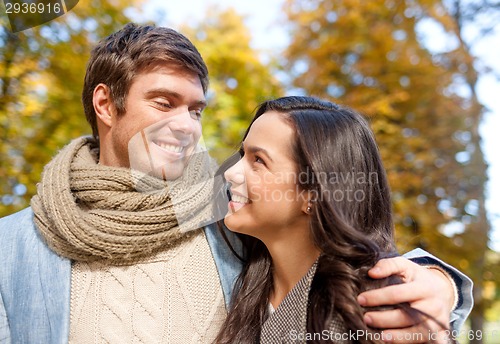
{"points": [[311, 197]]}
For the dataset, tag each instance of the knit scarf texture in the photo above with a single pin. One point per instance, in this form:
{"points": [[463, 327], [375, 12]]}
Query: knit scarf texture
{"points": [[87, 212]]}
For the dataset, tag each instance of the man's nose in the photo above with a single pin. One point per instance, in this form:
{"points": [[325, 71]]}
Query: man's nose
{"points": [[184, 123]]}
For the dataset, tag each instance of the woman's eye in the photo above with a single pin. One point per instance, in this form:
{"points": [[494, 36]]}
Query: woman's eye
{"points": [[259, 160]]}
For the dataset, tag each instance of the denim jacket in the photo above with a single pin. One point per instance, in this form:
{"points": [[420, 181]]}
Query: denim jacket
{"points": [[35, 283]]}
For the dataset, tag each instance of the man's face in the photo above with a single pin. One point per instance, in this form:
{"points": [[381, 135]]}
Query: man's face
{"points": [[161, 125]]}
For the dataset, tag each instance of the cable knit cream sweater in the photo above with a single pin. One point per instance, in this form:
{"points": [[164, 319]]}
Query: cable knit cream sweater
{"points": [[173, 297]]}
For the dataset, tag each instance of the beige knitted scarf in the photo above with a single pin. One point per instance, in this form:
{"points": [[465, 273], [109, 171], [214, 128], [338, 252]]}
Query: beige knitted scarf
{"points": [[87, 212]]}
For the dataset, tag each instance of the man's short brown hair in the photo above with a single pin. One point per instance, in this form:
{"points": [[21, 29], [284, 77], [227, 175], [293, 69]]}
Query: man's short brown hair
{"points": [[120, 57]]}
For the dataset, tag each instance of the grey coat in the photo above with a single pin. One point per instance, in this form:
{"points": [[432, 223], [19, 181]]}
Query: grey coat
{"points": [[288, 323]]}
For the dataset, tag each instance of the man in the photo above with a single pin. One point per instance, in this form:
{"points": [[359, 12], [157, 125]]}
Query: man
{"points": [[101, 256]]}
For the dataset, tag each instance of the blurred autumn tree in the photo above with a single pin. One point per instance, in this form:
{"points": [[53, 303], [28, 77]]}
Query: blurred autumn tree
{"points": [[372, 55], [42, 72], [239, 80], [459, 18]]}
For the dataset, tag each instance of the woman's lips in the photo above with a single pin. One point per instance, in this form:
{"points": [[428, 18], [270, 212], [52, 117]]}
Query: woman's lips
{"points": [[237, 202]]}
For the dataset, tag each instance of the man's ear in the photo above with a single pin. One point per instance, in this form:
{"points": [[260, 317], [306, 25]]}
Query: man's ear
{"points": [[103, 104]]}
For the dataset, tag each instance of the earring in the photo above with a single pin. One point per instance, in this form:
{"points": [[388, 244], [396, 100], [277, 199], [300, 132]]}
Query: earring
{"points": [[308, 210]]}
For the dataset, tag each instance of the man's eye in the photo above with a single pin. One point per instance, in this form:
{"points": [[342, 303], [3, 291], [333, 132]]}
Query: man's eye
{"points": [[196, 114], [163, 105]]}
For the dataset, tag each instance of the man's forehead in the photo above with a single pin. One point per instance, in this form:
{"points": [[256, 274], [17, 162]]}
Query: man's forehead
{"points": [[175, 89], [168, 68]]}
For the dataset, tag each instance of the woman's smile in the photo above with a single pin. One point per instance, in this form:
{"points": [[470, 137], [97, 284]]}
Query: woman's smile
{"points": [[237, 202]]}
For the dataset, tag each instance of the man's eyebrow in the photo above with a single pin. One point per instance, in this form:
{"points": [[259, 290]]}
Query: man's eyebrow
{"points": [[162, 92], [256, 149]]}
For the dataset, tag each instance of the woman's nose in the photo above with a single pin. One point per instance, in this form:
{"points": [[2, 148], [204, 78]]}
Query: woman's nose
{"points": [[235, 174]]}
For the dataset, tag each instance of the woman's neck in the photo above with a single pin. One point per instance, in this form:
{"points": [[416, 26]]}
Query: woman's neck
{"points": [[291, 261]]}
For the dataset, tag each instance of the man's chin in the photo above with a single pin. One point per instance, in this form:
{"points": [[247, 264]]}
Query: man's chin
{"points": [[168, 172]]}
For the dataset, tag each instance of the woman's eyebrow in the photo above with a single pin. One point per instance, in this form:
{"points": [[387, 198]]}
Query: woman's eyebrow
{"points": [[256, 149]]}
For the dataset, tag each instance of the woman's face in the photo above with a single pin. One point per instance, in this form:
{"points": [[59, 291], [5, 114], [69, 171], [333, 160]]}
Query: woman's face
{"points": [[266, 200]]}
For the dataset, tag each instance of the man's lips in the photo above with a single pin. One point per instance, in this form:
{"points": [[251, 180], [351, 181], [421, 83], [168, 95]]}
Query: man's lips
{"points": [[171, 147]]}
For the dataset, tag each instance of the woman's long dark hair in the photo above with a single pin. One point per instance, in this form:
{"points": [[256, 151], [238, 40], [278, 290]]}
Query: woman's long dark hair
{"points": [[351, 223]]}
